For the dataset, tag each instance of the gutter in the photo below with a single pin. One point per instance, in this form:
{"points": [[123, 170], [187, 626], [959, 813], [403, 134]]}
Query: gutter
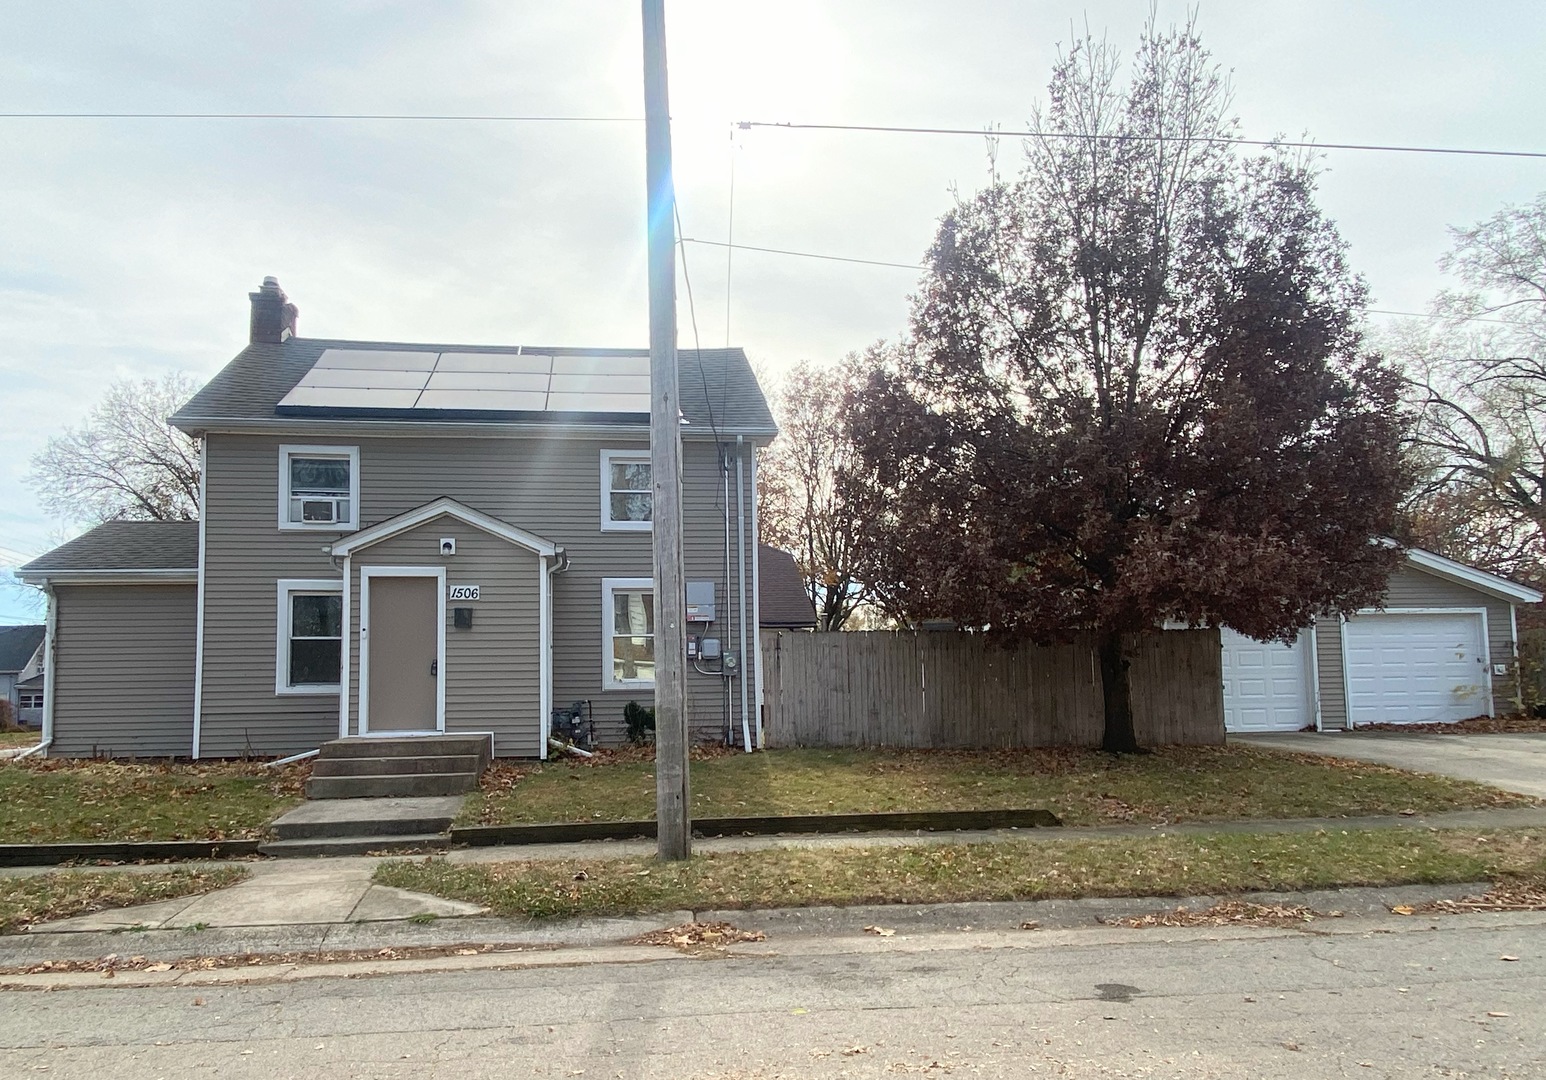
{"points": [[50, 635]]}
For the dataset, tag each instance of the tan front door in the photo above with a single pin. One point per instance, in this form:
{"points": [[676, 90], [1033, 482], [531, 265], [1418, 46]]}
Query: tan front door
{"points": [[404, 643]]}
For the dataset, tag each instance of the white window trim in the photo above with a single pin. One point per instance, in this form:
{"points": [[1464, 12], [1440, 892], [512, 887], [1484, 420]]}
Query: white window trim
{"points": [[286, 452], [287, 587], [607, 458], [608, 587]]}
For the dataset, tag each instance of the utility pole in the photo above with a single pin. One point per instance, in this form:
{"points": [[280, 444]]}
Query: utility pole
{"points": [[672, 803]]}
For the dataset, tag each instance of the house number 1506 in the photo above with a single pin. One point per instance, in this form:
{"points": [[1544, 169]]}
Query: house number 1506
{"points": [[464, 592]]}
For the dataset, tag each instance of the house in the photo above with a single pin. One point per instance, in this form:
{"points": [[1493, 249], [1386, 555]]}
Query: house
{"points": [[21, 660], [785, 605], [1443, 646], [412, 539]]}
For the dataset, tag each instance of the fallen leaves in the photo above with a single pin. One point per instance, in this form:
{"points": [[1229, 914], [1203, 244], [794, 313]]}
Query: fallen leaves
{"points": [[694, 936], [1523, 894], [115, 963], [1227, 913], [879, 931]]}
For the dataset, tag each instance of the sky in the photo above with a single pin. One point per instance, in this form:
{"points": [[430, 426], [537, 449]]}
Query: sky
{"points": [[130, 245]]}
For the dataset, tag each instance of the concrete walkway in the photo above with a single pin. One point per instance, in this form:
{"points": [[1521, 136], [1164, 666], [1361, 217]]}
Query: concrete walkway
{"points": [[289, 893], [1513, 762]]}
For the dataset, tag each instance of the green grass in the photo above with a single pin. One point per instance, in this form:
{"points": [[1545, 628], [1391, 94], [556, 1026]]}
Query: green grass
{"points": [[1010, 870], [67, 893], [10, 740], [1083, 787], [60, 800]]}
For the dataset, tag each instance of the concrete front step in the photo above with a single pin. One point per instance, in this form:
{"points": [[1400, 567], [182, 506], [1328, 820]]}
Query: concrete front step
{"points": [[354, 845], [368, 818], [409, 785], [471, 764], [407, 746]]}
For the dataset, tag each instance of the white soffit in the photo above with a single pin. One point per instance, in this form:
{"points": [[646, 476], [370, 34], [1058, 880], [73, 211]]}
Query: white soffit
{"points": [[401, 379]]}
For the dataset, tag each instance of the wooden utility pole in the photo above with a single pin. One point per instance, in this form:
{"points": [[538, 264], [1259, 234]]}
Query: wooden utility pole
{"points": [[672, 804]]}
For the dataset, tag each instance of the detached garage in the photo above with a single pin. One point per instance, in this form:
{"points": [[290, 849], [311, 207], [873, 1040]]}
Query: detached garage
{"points": [[1442, 648]]}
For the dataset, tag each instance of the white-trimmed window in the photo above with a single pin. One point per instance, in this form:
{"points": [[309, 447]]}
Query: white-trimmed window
{"points": [[31, 701], [627, 632], [319, 488], [309, 653], [627, 495]]}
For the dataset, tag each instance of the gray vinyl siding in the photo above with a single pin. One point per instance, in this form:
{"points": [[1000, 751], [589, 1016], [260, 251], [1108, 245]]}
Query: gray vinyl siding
{"points": [[493, 671], [1413, 587], [551, 487], [1328, 673], [123, 670]]}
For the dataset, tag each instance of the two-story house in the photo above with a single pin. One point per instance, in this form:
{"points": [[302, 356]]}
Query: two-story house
{"points": [[412, 539]]}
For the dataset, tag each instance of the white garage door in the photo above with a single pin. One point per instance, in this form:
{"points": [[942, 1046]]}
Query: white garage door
{"points": [[1408, 668], [1266, 684]]}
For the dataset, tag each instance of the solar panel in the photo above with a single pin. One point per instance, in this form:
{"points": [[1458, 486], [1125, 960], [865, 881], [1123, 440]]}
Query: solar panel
{"points": [[409, 380]]}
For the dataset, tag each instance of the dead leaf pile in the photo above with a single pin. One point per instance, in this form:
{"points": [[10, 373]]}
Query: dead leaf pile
{"points": [[1521, 895], [113, 962], [694, 936], [1228, 913]]}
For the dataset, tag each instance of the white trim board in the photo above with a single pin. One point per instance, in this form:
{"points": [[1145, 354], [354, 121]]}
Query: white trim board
{"points": [[1470, 576], [439, 574], [444, 507]]}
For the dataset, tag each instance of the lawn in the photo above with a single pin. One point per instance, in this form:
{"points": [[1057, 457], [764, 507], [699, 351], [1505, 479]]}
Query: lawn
{"points": [[1083, 787], [1009, 870], [58, 800], [66, 893], [10, 740]]}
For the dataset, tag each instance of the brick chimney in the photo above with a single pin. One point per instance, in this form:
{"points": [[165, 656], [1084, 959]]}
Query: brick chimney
{"points": [[273, 316]]}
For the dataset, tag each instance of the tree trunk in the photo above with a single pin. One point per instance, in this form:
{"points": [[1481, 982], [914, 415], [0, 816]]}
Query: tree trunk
{"points": [[1117, 695]]}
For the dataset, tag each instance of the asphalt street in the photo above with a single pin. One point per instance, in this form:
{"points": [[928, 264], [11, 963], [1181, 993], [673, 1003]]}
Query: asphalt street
{"points": [[1377, 997]]}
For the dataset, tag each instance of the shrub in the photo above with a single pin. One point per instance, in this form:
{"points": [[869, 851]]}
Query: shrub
{"points": [[641, 723]]}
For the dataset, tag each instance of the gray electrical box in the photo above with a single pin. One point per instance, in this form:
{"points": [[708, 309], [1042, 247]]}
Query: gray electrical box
{"points": [[700, 601], [709, 648]]}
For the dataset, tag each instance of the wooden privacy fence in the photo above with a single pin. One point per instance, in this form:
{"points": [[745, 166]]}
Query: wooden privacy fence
{"points": [[951, 689]]}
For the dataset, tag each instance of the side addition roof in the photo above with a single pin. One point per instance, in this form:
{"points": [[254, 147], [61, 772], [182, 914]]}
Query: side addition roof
{"points": [[17, 646], [160, 550], [783, 603], [717, 389]]}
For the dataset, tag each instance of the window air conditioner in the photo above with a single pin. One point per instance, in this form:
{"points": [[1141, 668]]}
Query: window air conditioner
{"points": [[322, 511]]}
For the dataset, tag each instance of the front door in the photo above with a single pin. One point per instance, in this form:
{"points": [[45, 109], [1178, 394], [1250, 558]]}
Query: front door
{"points": [[404, 644]]}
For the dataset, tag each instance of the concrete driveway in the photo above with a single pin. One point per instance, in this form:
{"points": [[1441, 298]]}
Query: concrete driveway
{"points": [[1511, 762]]}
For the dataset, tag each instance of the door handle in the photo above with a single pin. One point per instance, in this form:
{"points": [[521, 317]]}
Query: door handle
{"points": [[434, 667]]}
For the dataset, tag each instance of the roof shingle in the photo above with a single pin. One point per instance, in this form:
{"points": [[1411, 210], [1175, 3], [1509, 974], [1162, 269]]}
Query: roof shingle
{"points": [[17, 644], [782, 600], [125, 545]]}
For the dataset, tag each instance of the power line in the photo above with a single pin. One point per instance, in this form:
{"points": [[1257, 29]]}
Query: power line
{"points": [[479, 118], [747, 125], [801, 254], [915, 266]]}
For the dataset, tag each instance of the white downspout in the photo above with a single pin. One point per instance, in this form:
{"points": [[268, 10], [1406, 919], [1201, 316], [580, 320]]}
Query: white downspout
{"points": [[50, 631], [757, 600], [198, 641], [740, 585]]}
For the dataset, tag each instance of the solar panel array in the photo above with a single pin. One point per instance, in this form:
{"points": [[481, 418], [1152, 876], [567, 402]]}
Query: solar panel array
{"points": [[410, 379]]}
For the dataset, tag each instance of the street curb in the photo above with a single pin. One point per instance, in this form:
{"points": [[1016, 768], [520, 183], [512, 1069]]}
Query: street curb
{"points": [[905, 821], [54, 854]]}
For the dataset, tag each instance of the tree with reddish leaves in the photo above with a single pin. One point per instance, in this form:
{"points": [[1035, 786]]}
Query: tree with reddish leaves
{"points": [[1135, 392]]}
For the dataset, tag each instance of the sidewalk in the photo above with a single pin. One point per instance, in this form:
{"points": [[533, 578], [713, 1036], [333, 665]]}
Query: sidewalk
{"points": [[338, 892]]}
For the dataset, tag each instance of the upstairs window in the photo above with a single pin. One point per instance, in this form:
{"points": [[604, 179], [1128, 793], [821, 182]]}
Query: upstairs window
{"points": [[319, 488], [627, 496], [311, 637]]}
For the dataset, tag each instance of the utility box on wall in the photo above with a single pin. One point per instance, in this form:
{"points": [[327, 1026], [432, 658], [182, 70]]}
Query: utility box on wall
{"points": [[700, 601]]}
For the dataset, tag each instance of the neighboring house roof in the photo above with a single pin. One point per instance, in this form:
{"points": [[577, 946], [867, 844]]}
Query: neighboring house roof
{"points": [[154, 549], [1470, 576], [717, 391], [34, 683], [782, 600], [18, 644]]}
